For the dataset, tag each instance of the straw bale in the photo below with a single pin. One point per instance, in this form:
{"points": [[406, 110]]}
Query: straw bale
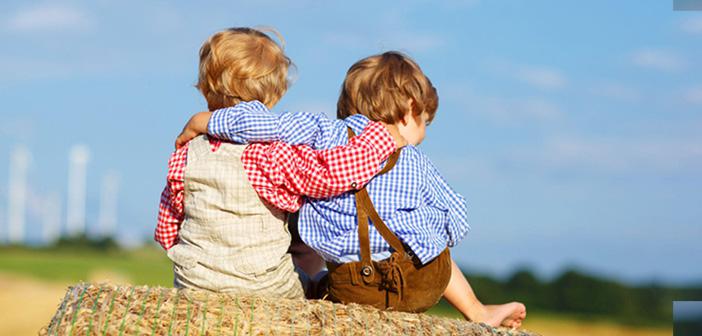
{"points": [[107, 309]]}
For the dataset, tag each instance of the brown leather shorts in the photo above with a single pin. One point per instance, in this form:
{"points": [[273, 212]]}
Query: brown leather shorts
{"points": [[396, 283]]}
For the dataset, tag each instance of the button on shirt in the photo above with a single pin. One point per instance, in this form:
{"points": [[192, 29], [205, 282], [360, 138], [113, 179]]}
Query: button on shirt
{"points": [[413, 199]]}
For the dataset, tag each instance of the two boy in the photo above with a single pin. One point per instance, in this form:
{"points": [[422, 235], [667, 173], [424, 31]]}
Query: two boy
{"points": [[421, 214], [215, 217]]}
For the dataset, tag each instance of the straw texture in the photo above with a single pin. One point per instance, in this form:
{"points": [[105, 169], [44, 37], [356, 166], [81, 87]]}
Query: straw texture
{"points": [[107, 309]]}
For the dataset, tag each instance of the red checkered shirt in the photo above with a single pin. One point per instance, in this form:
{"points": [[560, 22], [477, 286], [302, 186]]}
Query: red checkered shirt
{"points": [[282, 174]]}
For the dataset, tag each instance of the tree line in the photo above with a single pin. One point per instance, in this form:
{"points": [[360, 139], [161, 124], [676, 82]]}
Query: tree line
{"points": [[586, 296]]}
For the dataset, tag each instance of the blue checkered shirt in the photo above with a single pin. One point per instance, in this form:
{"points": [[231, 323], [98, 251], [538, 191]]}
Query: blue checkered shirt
{"points": [[413, 199]]}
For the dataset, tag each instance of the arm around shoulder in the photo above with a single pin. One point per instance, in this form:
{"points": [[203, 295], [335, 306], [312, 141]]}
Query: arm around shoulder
{"points": [[249, 122], [282, 173]]}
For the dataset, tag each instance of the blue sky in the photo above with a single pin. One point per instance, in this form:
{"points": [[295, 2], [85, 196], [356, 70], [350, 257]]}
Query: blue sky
{"points": [[573, 128]]}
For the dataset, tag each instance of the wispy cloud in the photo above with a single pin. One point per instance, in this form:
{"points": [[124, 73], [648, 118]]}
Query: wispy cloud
{"points": [[542, 77], [692, 25], [45, 66], [617, 91], [658, 59], [412, 42], [388, 40], [616, 155], [457, 4], [502, 109], [694, 95], [165, 18], [459, 168], [18, 129], [49, 18]]}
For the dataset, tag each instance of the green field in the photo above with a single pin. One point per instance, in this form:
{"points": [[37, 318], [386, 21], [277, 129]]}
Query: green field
{"points": [[147, 266]]}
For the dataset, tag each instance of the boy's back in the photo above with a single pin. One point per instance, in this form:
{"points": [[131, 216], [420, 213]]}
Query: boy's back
{"points": [[230, 240], [412, 198]]}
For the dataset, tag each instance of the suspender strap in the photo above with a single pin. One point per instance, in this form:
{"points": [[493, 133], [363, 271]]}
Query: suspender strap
{"points": [[392, 160], [365, 211], [366, 205]]}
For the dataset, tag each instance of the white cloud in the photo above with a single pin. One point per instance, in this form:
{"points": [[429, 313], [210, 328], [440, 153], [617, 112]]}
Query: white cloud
{"points": [[13, 69], [694, 95], [410, 42], [617, 91], [42, 66], [543, 78], [164, 18], [18, 129], [459, 169], [49, 18], [461, 3], [658, 59], [616, 155], [692, 25], [539, 108], [503, 110], [539, 77]]}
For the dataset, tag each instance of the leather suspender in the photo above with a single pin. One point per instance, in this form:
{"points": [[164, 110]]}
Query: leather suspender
{"points": [[365, 211]]}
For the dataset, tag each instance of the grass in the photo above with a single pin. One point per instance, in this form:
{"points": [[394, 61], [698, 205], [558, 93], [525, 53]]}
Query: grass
{"points": [[147, 266]]}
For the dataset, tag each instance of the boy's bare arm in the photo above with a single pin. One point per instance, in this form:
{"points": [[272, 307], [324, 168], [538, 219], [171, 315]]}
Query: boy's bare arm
{"points": [[196, 125]]}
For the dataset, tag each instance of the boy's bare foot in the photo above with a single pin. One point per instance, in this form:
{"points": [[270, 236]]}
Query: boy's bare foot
{"points": [[508, 315]]}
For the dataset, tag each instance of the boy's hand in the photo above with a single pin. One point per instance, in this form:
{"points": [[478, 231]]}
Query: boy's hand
{"points": [[400, 141], [196, 125]]}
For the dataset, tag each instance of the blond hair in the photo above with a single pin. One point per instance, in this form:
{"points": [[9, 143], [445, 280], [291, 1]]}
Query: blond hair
{"points": [[385, 87], [242, 64]]}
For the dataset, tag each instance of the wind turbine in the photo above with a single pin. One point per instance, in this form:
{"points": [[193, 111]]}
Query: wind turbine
{"points": [[51, 217], [107, 218], [17, 198], [75, 212]]}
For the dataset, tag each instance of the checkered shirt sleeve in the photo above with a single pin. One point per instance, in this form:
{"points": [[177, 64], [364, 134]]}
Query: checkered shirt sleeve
{"points": [[170, 210], [282, 173], [250, 122]]}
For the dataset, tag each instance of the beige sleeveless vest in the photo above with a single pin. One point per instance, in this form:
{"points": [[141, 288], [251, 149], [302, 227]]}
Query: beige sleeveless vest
{"points": [[230, 240]]}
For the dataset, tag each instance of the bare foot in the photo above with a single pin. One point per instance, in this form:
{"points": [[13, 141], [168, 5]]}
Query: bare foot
{"points": [[508, 315]]}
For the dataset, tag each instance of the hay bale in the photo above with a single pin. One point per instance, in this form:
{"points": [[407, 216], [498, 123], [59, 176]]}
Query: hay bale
{"points": [[108, 309]]}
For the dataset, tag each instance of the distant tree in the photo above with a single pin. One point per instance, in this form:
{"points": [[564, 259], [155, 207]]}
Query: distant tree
{"points": [[576, 292], [487, 289], [84, 242], [580, 293], [525, 287]]}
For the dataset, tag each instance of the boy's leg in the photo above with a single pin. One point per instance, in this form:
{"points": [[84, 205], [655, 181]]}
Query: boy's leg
{"points": [[304, 257], [461, 296], [307, 262]]}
